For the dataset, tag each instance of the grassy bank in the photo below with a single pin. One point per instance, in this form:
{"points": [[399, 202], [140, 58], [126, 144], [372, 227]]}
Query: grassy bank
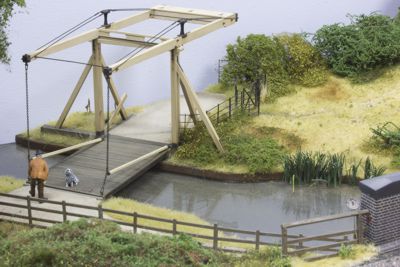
{"points": [[8, 184], [79, 121]]}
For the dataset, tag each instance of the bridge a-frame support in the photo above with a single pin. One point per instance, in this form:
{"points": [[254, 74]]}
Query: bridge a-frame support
{"points": [[150, 47]]}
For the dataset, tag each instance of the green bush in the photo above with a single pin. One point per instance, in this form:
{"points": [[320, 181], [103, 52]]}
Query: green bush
{"points": [[256, 58], [304, 63], [99, 243], [366, 44]]}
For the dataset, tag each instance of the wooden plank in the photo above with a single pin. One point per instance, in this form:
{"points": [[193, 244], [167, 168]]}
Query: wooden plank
{"points": [[193, 99], [119, 24], [316, 248], [75, 93], [174, 97], [326, 218], [119, 107], [62, 45], [98, 89], [114, 93], [320, 237], [124, 42]]}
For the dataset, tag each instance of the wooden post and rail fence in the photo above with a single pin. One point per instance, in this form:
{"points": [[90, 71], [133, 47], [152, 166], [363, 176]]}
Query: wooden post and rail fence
{"points": [[28, 211], [245, 102]]}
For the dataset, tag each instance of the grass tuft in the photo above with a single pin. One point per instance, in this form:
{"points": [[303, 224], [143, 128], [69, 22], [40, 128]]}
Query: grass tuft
{"points": [[8, 184]]}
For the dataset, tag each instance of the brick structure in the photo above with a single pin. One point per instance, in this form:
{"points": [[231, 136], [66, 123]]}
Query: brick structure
{"points": [[381, 196]]}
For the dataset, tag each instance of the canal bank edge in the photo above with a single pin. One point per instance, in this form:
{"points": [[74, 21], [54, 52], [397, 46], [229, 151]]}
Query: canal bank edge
{"points": [[219, 176]]}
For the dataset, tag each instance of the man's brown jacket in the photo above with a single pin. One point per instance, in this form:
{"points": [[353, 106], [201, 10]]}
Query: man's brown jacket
{"points": [[38, 169]]}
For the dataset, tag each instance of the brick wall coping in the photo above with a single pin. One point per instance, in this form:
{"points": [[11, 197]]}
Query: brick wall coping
{"points": [[382, 186]]}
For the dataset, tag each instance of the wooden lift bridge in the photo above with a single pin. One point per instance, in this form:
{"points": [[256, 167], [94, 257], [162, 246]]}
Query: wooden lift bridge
{"points": [[125, 159]]}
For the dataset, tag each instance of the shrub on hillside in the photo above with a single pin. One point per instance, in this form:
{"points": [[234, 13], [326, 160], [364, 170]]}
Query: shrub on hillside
{"points": [[99, 243], [304, 63], [366, 44], [256, 57]]}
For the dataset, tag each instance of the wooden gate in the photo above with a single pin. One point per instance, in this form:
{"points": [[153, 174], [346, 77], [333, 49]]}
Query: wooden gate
{"points": [[322, 245]]}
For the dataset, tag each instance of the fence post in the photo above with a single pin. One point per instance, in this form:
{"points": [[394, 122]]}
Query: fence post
{"points": [[215, 237], [301, 242], [241, 100], [284, 241], [173, 227], [236, 94], [257, 240], [135, 222], [230, 107], [64, 211], [360, 232], [28, 200], [100, 209]]}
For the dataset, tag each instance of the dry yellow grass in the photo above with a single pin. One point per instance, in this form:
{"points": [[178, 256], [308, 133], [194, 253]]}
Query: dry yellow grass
{"points": [[8, 184], [362, 253], [337, 116], [85, 120], [52, 138]]}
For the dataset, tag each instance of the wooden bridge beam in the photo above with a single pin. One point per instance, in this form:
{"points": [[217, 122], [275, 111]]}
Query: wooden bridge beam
{"points": [[98, 89], [75, 93], [175, 108], [196, 106], [114, 92]]}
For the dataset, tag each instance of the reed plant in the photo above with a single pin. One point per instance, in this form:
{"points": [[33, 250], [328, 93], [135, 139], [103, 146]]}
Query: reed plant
{"points": [[308, 167]]}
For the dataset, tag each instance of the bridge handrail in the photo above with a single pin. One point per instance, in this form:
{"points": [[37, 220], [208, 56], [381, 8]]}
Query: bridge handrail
{"points": [[126, 165], [63, 150]]}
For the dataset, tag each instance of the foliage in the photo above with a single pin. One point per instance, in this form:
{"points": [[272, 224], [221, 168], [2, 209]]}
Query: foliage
{"points": [[99, 243], [304, 63], [346, 252], [259, 154], [308, 167], [366, 44], [8, 184], [256, 58], [388, 133], [370, 170], [270, 256], [6, 11]]}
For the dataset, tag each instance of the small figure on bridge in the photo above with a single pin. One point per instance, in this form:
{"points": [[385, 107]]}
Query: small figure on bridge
{"points": [[70, 178], [38, 173]]}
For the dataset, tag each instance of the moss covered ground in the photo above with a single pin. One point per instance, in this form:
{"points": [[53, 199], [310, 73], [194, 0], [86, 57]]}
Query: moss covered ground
{"points": [[8, 184]]}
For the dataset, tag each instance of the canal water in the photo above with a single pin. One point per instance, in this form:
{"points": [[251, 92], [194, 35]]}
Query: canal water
{"points": [[254, 206]]}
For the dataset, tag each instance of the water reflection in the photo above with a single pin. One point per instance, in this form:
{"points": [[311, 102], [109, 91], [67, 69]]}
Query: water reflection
{"points": [[262, 206], [13, 160]]}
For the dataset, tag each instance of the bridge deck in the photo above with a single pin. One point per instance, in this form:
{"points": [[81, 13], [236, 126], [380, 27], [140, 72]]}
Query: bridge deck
{"points": [[89, 165]]}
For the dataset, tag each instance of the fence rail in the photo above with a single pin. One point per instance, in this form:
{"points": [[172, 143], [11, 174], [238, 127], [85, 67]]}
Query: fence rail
{"points": [[244, 101], [331, 242], [34, 215]]}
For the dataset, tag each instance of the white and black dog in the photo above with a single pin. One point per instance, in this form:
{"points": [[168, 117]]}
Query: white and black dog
{"points": [[70, 178]]}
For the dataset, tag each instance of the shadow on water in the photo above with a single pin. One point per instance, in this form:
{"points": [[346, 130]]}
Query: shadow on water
{"points": [[262, 206]]}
